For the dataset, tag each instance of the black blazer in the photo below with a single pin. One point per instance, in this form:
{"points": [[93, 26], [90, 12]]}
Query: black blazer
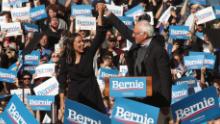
{"points": [[155, 64]]}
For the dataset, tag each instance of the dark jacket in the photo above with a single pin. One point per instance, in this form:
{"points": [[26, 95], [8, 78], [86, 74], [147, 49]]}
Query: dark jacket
{"points": [[83, 86], [155, 64]]}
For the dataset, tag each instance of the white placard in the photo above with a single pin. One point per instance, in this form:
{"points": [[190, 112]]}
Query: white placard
{"points": [[45, 70], [85, 23], [48, 88], [22, 13], [117, 10], [2, 19], [151, 17], [166, 15], [5, 5], [12, 29], [205, 15], [19, 93]]}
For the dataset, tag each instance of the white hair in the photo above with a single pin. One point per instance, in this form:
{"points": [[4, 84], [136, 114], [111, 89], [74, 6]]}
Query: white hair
{"points": [[145, 26]]}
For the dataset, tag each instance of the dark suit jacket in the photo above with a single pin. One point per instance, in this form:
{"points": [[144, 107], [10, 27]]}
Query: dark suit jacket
{"points": [[155, 64]]}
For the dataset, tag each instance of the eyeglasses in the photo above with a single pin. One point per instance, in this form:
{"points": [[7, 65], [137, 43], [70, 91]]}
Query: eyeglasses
{"points": [[26, 78], [138, 33], [55, 56]]}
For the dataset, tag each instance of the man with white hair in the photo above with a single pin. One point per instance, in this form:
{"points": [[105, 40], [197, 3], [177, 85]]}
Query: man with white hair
{"points": [[147, 57]]}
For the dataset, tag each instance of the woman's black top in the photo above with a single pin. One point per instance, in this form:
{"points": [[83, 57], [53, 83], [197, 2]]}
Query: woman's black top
{"points": [[83, 86]]}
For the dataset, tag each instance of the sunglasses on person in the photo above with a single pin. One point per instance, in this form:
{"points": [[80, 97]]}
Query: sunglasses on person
{"points": [[55, 56], [25, 78]]}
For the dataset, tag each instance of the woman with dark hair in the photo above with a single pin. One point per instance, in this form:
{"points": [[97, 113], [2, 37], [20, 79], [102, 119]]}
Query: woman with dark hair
{"points": [[76, 68]]}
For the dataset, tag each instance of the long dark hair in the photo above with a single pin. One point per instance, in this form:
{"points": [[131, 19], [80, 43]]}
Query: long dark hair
{"points": [[69, 52]]}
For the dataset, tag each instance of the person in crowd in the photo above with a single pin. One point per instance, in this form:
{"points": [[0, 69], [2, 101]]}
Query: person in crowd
{"points": [[147, 58], [77, 62]]}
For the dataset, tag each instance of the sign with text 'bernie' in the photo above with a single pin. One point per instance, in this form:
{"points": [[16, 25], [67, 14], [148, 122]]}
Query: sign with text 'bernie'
{"points": [[137, 10], [76, 113], [22, 13], [106, 72], [85, 23], [48, 88], [179, 92], [191, 81], [38, 13], [7, 75], [32, 59], [117, 10], [179, 32], [127, 21], [205, 15], [16, 113], [130, 86], [31, 27], [200, 107], [201, 2], [44, 70], [11, 29], [217, 11], [209, 60], [194, 62], [130, 112], [81, 10], [42, 103]]}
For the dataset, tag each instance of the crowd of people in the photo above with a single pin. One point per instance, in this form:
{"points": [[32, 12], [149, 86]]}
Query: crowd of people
{"points": [[80, 54]]}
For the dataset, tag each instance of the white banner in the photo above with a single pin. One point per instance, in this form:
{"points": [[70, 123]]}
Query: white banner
{"points": [[48, 88], [205, 15], [2, 19], [166, 15], [19, 93], [12, 29], [45, 70], [20, 13], [117, 10], [5, 5], [85, 23]]}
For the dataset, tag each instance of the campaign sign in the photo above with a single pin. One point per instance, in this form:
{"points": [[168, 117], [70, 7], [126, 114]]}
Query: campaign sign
{"points": [[179, 32], [205, 15], [201, 2], [7, 75], [127, 21], [194, 62], [209, 61], [200, 107], [117, 10], [31, 27], [19, 93], [85, 23], [48, 88], [42, 103], [12, 29], [81, 10], [32, 59], [137, 10], [30, 68], [128, 86], [14, 67], [130, 112], [123, 69], [200, 35], [217, 11], [16, 113], [191, 81], [166, 15], [105, 72], [22, 13], [2, 19], [45, 70], [1, 119], [38, 13], [179, 92], [76, 113]]}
